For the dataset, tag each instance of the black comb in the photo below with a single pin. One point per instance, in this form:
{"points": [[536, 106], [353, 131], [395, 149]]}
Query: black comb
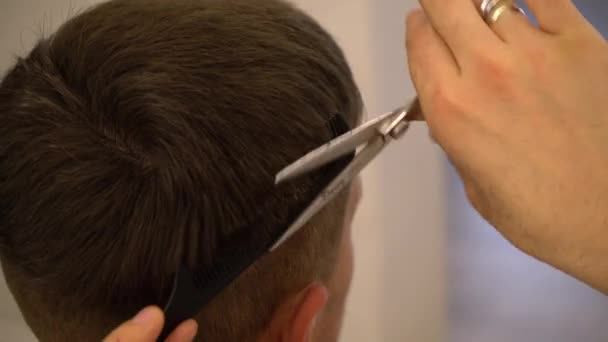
{"points": [[192, 290]]}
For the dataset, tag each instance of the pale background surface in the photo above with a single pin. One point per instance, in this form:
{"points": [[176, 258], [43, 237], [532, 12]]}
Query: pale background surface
{"points": [[399, 235]]}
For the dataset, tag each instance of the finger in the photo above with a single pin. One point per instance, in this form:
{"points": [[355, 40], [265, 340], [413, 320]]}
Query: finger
{"points": [[512, 26], [430, 61], [185, 332], [433, 69], [144, 327], [460, 25], [555, 16], [414, 112]]}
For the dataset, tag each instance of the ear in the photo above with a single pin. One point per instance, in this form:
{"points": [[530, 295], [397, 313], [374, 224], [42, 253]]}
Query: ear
{"points": [[295, 319], [313, 301]]}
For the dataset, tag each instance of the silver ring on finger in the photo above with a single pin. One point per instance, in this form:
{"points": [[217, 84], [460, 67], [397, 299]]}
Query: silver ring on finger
{"points": [[493, 10]]}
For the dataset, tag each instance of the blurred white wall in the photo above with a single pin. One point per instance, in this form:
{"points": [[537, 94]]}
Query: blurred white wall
{"points": [[398, 292]]}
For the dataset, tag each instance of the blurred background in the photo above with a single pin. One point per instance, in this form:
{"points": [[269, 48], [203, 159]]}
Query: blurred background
{"points": [[428, 268]]}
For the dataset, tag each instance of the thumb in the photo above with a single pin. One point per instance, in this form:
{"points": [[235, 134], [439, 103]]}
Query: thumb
{"points": [[146, 326]]}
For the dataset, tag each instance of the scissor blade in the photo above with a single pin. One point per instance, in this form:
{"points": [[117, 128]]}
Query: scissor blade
{"points": [[340, 146], [373, 148]]}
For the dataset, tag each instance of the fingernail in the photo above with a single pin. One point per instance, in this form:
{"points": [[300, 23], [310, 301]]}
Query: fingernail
{"points": [[145, 316]]}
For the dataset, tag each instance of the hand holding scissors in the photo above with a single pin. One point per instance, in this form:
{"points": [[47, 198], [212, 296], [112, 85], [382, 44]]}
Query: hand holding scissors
{"points": [[368, 140]]}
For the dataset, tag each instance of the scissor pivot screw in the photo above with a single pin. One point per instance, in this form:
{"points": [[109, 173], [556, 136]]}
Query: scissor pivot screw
{"points": [[400, 129]]}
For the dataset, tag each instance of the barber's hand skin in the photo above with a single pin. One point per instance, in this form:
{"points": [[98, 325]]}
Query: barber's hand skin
{"points": [[147, 325], [522, 112]]}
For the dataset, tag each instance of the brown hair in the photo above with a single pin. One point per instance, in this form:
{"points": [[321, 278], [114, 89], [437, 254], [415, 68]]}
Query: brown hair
{"points": [[144, 134]]}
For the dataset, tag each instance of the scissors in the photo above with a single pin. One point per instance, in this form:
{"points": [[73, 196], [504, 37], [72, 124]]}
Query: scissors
{"points": [[193, 289], [368, 140]]}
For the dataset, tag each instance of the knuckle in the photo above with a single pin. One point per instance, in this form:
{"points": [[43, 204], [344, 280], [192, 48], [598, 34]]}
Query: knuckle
{"points": [[446, 101], [498, 74], [538, 57], [496, 68], [539, 62]]}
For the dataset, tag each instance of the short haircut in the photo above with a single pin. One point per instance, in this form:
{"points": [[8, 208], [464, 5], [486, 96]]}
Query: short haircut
{"points": [[144, 134]]}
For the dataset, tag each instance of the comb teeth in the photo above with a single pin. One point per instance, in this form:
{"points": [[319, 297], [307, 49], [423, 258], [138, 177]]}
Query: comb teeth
{"points": [[338, 125], [237, 261], [233, 264]]}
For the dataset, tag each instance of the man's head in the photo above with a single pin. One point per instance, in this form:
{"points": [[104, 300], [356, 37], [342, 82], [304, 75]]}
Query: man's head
{"points": [[143, 135]]}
